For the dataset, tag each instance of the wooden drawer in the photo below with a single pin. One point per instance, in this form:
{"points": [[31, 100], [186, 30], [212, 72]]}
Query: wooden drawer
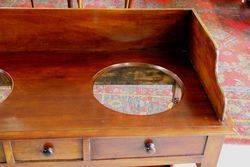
{"points": [[108, 148], [32, 150], [2, 157]]}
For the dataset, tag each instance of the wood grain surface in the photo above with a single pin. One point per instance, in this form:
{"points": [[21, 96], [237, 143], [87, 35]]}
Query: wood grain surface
{"points": [[212, 151], [156, 161], [57, 90], [63, 149], [81, 30], [110, 148], [203, 54], [53, 65]]}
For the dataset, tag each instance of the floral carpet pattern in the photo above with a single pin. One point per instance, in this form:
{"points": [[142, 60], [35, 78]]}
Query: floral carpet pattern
{"points": [[229, 24], [16, 3], [139, 89], [135, 99], [103, 3], [50, 3]]}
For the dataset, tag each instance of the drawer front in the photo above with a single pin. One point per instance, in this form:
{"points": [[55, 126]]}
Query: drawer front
{"points": [[108, 148], [63, 149], [2, 157]]}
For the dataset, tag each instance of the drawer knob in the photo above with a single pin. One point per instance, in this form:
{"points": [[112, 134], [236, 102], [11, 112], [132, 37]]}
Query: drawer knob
{"points": [[48, 149], [149, 146]]}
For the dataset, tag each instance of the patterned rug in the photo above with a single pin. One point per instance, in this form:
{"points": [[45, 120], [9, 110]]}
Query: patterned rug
{"points": [[229, 24]]}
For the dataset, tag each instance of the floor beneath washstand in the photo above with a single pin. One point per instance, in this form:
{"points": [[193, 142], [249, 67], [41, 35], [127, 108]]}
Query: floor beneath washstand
{"points": [[231, 156]]}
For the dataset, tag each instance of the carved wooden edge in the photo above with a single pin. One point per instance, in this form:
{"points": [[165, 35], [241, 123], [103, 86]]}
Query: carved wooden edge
{"points": [[215, 93]]}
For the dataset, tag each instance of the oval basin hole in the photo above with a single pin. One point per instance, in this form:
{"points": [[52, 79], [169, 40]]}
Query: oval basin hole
{"points": [[137, 88]]}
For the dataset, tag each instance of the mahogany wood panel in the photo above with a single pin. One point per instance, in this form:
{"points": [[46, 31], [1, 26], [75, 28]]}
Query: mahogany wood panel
{"points": [[90, 29], [203, 54], [112, 148], [57, 87], [212, 151], [31, 150], [53, 55], [2, 157], [115, 162], [57, 90]]}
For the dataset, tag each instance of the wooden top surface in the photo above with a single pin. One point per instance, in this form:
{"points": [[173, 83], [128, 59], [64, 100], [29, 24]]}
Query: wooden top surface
{"points": [[53, 97]]}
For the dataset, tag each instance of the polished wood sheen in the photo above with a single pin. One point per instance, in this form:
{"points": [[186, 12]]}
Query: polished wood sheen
{"points": [[57, 90], [212, 152], [115, 162], [53, 55], [109, 148], [204, 60], [32, 150], [95, 30]]}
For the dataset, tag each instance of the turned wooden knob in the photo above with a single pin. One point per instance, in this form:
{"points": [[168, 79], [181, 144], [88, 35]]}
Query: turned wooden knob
{"points": [[48, 149], [149, 146]]}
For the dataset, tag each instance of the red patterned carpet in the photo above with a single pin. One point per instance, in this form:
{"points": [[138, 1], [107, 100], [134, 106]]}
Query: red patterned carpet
{"points": [[229, 24]]}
